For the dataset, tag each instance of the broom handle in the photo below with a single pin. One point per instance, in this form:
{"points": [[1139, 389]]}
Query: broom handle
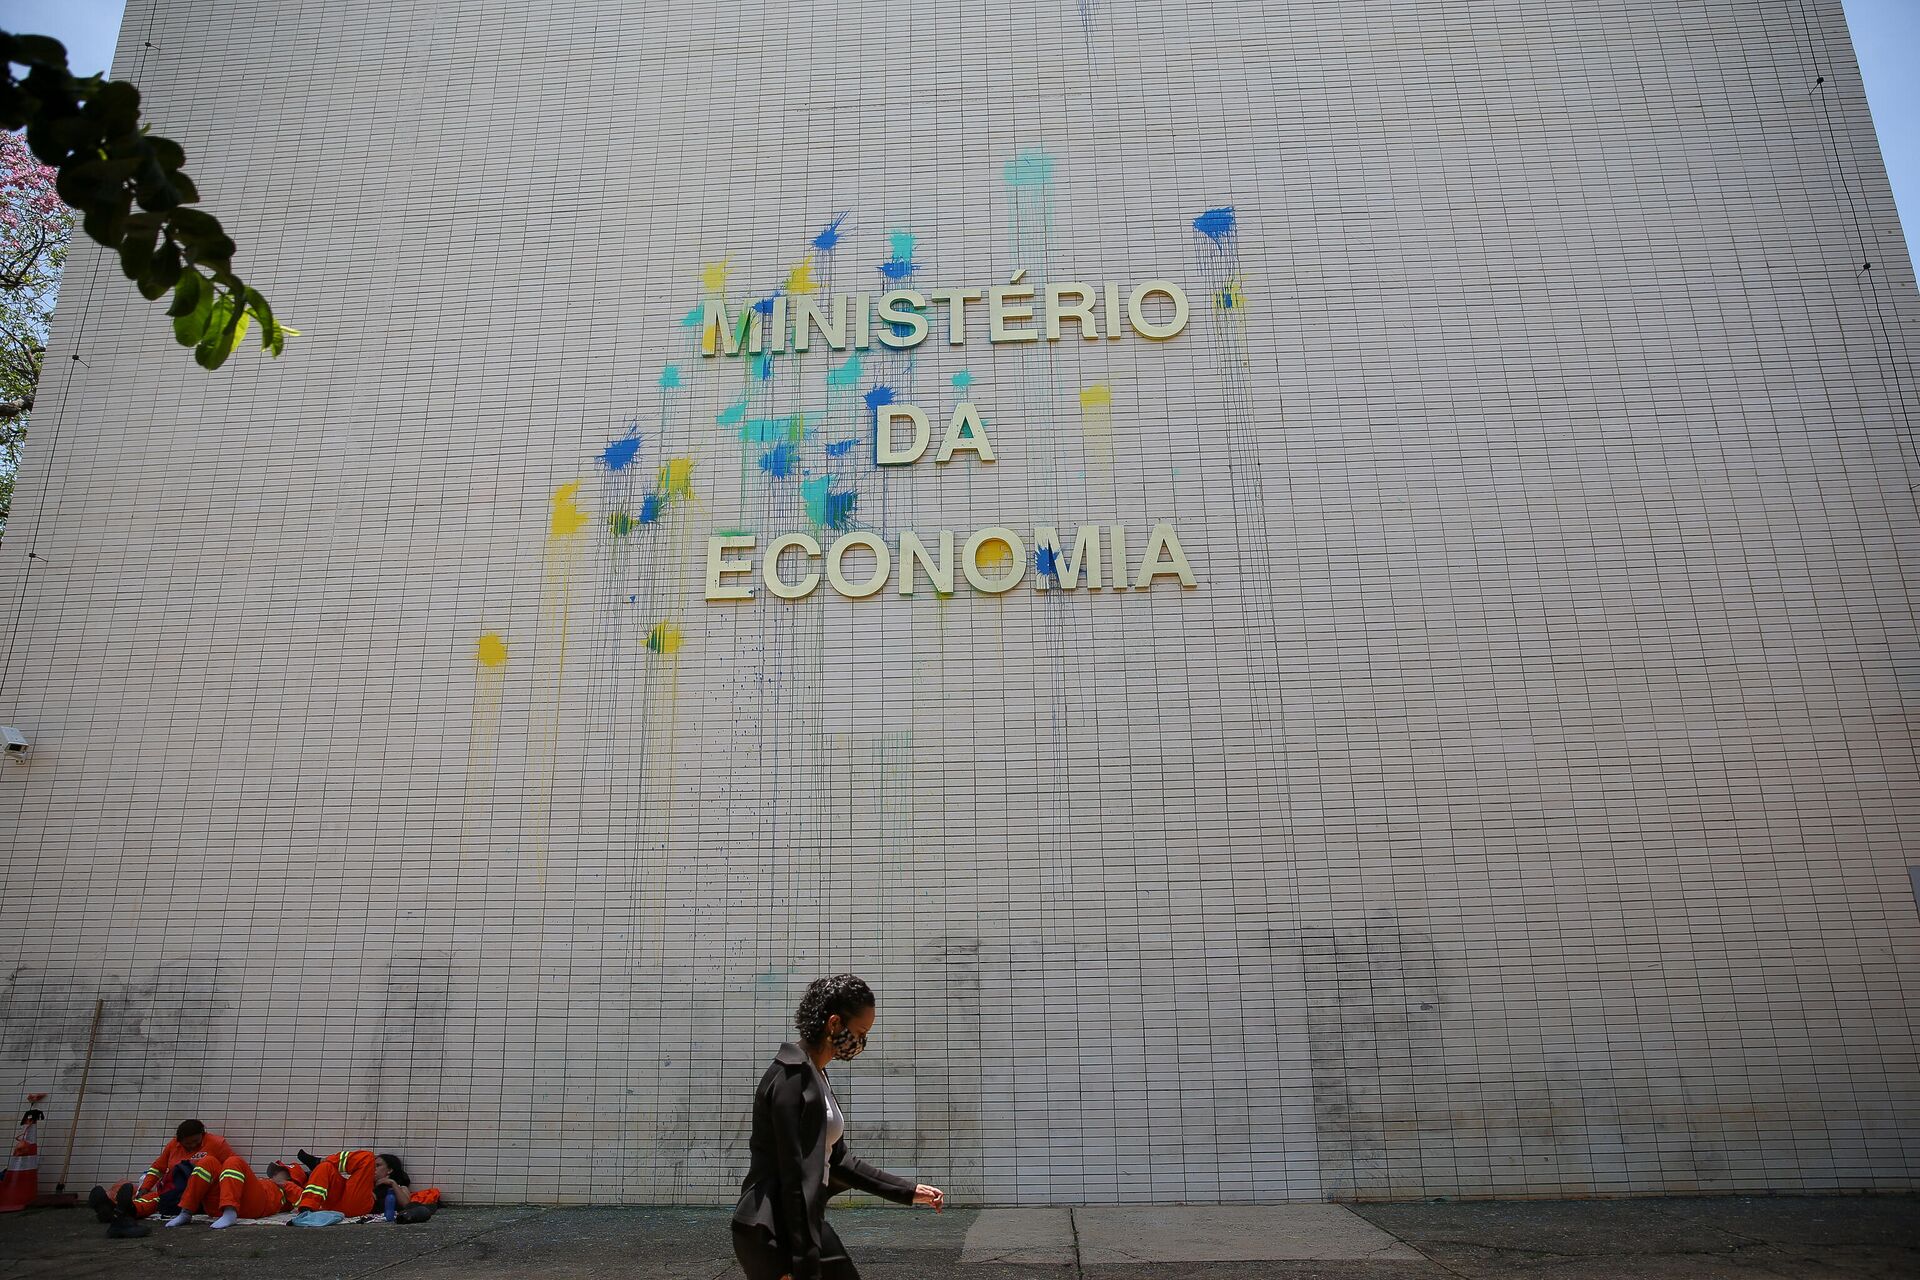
{"points": [[79, 1098]]}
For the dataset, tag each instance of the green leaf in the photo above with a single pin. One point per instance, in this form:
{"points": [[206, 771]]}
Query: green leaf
{"points": [[166, 152], [194, 223], [189, 329], [136, 253], [44, 50], [116, 104], [186, 294], [161, 273]]}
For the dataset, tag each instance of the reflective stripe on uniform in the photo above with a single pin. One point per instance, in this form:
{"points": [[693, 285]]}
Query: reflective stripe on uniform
{"points": [[343, 1162], [314, 1189], [235, 1174], [202, 1174]]}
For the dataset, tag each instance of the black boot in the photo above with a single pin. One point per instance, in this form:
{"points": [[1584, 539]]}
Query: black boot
{"points": [[124, 1201], [310, 1160], [127, 1229], [101, 1203]]}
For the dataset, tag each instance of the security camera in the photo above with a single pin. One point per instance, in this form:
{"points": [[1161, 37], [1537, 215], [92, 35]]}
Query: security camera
{"points": [[16, 744]]}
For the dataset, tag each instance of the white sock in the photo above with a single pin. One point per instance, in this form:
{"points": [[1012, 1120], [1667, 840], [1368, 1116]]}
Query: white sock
{"points": [[181, 1218], [226, 1219]]}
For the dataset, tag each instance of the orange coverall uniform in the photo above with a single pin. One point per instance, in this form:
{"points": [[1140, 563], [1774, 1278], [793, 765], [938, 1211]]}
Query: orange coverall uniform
{"points": [[241, 1189], [343, 1183], [213, 1152]]}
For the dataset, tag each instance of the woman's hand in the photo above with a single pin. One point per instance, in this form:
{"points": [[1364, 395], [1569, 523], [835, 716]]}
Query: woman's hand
{"points": [[932, 1197]]}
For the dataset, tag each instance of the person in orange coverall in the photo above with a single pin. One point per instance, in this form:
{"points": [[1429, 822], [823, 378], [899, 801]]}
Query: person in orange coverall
{"points": [[242, 1192], [165, 1182], [347, 1182]]}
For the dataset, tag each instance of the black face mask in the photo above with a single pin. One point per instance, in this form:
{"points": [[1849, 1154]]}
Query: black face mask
{"points": [[848, 1043]]}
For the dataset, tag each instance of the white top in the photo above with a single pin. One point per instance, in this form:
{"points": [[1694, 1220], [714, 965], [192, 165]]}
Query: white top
{"points": [[836, 1121]]}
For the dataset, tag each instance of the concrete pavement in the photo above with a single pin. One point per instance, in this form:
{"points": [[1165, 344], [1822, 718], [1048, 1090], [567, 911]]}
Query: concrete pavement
{"points": [[1706, 1238]]}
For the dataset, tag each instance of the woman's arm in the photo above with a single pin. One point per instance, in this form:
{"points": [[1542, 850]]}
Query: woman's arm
{"points": [[851, 1171]]}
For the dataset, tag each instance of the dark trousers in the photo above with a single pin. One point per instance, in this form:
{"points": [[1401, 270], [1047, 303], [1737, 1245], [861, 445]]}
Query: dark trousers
{"points": [[762, 1258]]}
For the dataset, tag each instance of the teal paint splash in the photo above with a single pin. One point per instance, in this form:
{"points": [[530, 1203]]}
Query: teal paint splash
{"points": [[763, 367], [670, 377], [845, 376], [901, 264], [1031, 168], [962, 380], [827, 507], [696, 317], [732, 415]]}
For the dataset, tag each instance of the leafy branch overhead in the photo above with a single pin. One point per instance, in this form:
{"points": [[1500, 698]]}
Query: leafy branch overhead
{"points": [[89, 130]]}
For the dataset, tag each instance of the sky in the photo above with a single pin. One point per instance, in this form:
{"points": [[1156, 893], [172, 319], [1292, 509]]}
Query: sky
{"points": [[1886, 37]]}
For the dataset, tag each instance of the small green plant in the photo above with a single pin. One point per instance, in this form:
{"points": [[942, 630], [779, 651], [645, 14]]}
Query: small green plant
{"points": [[133, 197]]}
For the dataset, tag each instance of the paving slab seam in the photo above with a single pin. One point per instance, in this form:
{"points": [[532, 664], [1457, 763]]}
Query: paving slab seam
{"points": [[1401, 1241], [441, 1248], [1073, 1226]]}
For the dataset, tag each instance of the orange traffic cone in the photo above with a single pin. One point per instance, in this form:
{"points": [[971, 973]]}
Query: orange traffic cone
{"points": [[21, 1182]]}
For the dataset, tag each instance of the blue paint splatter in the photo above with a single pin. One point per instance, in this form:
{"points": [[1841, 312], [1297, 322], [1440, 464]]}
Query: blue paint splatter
{"points": [[878, 396], [696, 317], [765, 305], [763, 366], [901, 264], [1029, 169], [846, 375], [962, 380], [670, 377], [732, 414], [621, 453], [1215, 224], [1046, 562], [778, 461], [650, 508], [840, 448], [830, 234]]}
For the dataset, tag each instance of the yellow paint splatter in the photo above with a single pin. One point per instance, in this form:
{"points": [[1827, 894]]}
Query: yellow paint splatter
{"points": [[1232, 297], [491, 651], [567, 519], [1096, 422], [676, 478], [713, 276], [995, 555], [665, 638], [800, 279]]}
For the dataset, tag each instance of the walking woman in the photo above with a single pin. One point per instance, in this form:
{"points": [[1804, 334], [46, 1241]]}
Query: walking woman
{"points": [[800, 1155]]}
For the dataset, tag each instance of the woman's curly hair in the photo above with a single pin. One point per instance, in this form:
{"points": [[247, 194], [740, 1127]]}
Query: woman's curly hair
{"points": [[843, 993]]}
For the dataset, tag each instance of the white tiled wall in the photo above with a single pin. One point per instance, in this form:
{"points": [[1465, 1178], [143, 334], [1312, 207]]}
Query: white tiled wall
{"points": [[1521, 804]]}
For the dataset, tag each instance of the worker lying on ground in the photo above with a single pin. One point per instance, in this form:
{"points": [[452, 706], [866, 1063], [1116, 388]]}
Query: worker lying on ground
{"points": [[354, 1183], [241, 1192], [165, 1182]]}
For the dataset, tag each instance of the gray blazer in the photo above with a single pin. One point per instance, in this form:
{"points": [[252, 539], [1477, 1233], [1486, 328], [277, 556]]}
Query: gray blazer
{"points": [[787, 1185]]}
